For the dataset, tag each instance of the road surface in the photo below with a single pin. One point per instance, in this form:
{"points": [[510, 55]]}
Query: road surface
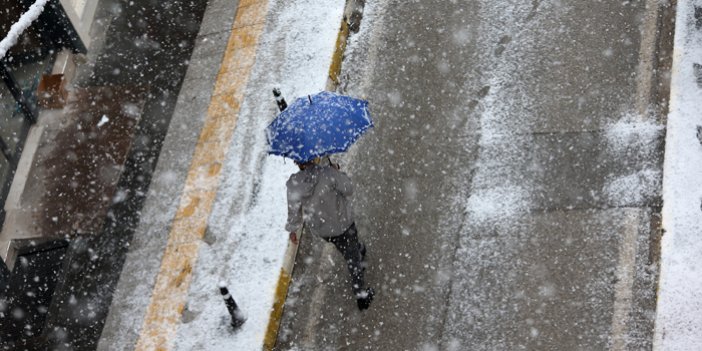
{"points": [[508, 193]]}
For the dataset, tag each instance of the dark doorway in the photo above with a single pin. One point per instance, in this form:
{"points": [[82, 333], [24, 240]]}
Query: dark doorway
{"points": [[28, 290]]}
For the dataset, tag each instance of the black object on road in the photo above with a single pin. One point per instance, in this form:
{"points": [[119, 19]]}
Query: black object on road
{"points": [[282, 105], [364, 298], [237, 317]]}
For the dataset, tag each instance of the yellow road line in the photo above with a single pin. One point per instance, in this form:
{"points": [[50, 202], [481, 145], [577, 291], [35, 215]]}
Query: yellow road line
{"points": [[337, 57], [281, 291], [173, 281]]}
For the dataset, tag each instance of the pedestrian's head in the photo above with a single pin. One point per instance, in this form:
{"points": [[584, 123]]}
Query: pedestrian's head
{"points": [[307, 164]]}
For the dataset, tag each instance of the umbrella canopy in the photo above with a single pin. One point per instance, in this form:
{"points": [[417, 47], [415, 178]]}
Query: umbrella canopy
{"points": [[318, 125]]}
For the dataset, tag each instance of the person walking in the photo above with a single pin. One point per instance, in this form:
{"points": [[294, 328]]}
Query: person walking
{"points": [[318, 198]]}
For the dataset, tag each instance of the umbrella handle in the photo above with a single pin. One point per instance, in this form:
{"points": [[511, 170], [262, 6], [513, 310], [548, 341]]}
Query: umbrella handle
{"points": [[334, 165]]}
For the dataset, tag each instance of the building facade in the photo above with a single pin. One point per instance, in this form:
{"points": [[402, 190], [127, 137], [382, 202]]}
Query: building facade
{"points": [[31, 68]]}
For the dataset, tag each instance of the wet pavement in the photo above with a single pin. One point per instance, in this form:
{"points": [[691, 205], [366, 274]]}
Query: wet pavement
{"points": [[491, 192], [90, 177], [87, 156]]}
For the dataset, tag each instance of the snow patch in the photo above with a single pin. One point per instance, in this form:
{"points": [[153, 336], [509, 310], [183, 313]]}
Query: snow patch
{"points": [[636, 137], [633, 188], [633, 131], [102, 121], [497, 204]]}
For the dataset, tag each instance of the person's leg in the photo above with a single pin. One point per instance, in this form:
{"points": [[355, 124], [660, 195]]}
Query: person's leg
{"points": [[347, 243], [354, 254]]}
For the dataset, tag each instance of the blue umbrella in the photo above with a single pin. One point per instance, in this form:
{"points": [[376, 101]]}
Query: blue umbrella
{"points": [[318, 125]]}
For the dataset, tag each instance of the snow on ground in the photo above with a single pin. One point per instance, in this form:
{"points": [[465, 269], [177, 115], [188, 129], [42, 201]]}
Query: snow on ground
{"points": [[501, 192], [634, 137], [246, 238], [679, 313]]}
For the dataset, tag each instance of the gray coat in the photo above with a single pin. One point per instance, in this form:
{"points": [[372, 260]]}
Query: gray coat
{"points": [[318, 196]]}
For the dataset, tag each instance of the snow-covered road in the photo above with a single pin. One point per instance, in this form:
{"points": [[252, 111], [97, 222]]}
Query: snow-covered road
{"points": [[508, 191]]}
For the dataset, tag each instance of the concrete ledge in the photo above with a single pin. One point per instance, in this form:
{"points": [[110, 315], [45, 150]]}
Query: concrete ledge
{"points": [[81, 20]]}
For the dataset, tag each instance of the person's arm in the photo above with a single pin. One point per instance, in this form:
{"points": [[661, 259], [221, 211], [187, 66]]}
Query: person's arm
{"points": [[343, 183], [294, 222]]}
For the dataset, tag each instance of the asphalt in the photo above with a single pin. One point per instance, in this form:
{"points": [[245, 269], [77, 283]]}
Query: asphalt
{"points": [[482, 190]]}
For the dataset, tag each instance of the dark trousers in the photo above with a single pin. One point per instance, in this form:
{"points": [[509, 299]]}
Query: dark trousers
{"points": [[350, 248]]}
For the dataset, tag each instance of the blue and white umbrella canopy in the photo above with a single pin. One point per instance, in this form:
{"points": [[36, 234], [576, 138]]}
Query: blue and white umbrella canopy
{"points": [[318, 125]]}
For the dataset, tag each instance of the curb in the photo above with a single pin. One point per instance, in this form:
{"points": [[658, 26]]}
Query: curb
{"points": [[338, 56], [353, 9], [281, 293]]}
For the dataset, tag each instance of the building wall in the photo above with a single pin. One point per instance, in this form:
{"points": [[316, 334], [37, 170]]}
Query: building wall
{"points": [[81, 13], [79, 6]]}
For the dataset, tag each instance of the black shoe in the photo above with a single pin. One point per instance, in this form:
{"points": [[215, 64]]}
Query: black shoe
{"points": [[364, 298], [363, 257]]}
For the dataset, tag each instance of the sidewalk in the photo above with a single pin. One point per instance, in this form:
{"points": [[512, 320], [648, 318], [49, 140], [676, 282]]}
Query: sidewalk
{"points": [[679, 310], [215, 210]]}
